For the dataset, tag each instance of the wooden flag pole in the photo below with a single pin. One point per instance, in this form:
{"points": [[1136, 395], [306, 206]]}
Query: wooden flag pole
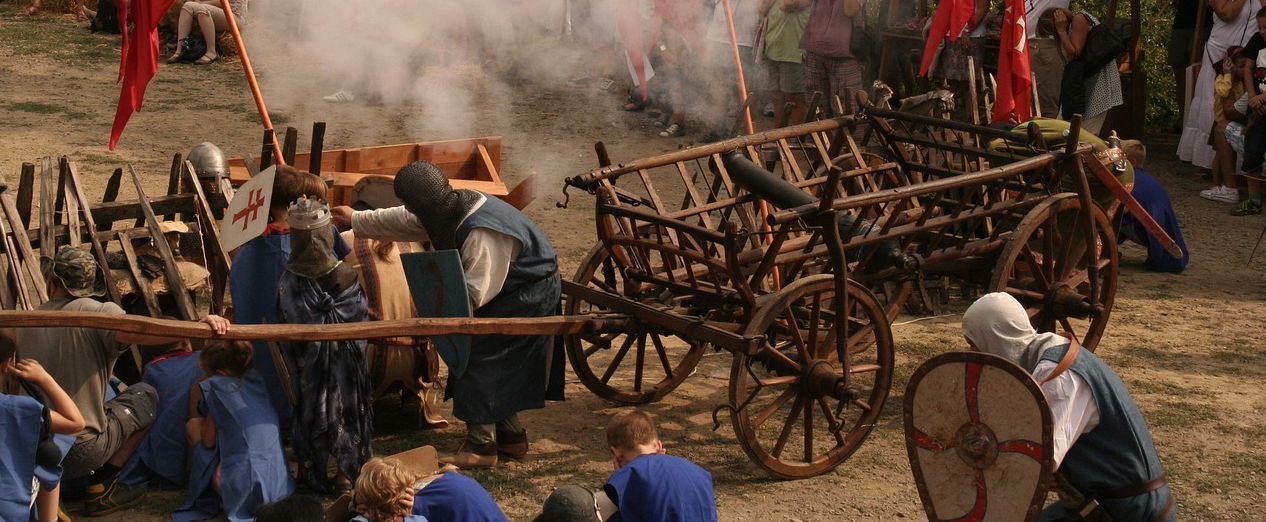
{"points": [[738, 66], [250, 78]]}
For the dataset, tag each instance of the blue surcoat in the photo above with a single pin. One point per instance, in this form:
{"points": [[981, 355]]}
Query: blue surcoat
{"points": [[22, 421], [248, 452], [454, 497], [1116, 455], [507, 374], [159, 461], [663, 488]]}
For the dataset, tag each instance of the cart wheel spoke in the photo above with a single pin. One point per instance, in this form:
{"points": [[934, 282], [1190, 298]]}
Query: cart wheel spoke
{"points": [[760, 418], [663, 355], [832, 421], [787, 426], [619, 356]]}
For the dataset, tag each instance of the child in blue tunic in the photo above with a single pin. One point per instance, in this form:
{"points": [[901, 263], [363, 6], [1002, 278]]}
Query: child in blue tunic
{"points": [[387, 490], [257, 267], [28, 428], [159, 462], [238, 460], [1152, 196], [649, 485]]}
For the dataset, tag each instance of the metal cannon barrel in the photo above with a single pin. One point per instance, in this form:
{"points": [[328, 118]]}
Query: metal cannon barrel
{"points": [[784, 195]]}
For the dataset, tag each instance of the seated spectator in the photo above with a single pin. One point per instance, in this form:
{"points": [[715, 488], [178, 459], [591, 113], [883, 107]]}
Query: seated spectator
{"points": [[80, 360], [27, 425], [294, 508], [80, 10], [159, 462], [648, 484], [1152, 196], [1230, 116], [387, 490], [238, 461], [211, 21]]}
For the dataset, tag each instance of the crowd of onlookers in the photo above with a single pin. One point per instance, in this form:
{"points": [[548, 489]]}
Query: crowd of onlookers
{"points": [[1222, 133]]}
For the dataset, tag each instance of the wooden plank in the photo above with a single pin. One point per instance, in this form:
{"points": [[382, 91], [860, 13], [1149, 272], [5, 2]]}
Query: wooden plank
{"points": [[317, 148], [26, 185], [23, 244], [175, 283], [60, 194], [489, 168], [48, 246], [75, 197], [210, 226], [289, 142], [418, 326], [75, 234], [173, 182], [111, 193], [13, 291], [139, 281]]}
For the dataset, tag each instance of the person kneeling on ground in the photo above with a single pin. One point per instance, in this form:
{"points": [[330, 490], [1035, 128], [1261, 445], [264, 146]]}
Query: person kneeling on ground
{"points": [[27, 425], [387, 490], [1101, 443], [238, 461], [80, 360], [1152, 196], [648, 485]]}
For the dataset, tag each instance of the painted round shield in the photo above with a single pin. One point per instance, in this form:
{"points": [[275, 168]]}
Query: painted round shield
{"points": [[978, 434]]}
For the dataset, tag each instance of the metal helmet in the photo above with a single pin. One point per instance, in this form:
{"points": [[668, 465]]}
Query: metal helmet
{"points": [[208, 161]]}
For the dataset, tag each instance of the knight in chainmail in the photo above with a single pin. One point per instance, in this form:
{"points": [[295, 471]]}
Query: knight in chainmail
{"points": [[333, 417], [511, 271]]}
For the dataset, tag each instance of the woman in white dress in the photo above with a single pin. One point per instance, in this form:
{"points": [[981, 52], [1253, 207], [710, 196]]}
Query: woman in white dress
{"points": [[1233, 24]]}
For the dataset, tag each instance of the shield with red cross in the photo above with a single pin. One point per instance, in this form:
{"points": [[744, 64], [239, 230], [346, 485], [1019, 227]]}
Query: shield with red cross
{"points": [[978, 433]]}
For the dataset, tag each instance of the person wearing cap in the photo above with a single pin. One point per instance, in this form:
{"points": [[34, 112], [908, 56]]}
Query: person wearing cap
{"points": [[81, 359], [1102, 447], [333, 415], [511, 271]]}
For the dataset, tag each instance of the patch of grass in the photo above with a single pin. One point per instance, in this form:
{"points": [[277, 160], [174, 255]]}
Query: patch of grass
{"points": [[1179, 414], [31, 36], [1157, 387], [36, 107]]}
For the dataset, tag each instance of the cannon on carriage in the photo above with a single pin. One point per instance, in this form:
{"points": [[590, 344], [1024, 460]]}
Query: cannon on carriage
{"points": [[793, 250]]}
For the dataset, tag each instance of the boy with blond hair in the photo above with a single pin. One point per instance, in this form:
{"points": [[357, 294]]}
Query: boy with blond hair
{"points": [[388, 490], [1152, 196]]}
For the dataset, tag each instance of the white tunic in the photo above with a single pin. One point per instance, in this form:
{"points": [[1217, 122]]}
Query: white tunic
{"points": [[1073, 408], [486, 254]]}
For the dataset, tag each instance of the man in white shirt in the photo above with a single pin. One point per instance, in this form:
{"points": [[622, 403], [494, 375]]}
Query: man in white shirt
{"points": [[511, 271], [1101, 442]]}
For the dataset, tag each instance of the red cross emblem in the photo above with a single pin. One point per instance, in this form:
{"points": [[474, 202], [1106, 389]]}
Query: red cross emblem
{"points": [[254, 200]]}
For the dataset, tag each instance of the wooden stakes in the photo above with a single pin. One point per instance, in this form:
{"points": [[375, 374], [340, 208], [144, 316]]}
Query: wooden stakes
{"points": [[175, 283]]}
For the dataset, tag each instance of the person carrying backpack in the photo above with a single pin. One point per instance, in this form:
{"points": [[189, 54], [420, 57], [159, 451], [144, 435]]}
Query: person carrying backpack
{"points": [[1091, 84]]}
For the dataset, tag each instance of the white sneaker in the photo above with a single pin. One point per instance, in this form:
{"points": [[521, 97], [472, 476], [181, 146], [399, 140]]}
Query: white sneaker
{"points": [[1222, 194], [342, 96]]}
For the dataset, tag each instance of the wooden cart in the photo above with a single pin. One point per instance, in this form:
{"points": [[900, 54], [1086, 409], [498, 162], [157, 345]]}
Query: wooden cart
{"points": [[802, 297]]}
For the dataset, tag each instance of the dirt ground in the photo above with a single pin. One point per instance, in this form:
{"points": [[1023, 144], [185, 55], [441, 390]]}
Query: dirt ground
{"points": [[1190, 346]]}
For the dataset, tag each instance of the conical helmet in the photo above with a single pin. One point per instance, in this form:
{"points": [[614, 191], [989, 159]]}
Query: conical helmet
{"points": [[208, 161]]}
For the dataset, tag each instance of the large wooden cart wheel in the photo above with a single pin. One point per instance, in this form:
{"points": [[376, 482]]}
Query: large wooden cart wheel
{"points": [[798, 414], [635, 367], [1044, 265]]}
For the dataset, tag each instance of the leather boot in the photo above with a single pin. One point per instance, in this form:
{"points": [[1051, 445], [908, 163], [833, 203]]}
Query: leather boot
{"points": [[472, 456], [512, 445]]}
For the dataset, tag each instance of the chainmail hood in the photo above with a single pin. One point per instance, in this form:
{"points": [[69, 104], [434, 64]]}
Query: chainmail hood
{"points": [[427, 193]]}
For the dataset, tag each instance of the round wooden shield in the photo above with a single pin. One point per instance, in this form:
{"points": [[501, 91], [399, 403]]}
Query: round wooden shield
{"points": [[978, 434]]}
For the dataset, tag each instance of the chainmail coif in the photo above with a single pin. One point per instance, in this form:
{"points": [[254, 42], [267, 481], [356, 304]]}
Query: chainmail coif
{"points": [[426, 192]]}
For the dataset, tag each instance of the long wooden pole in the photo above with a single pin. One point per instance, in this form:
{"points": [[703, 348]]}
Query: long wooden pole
{"points": [[250, 77], [738, 66], [553, 325]]}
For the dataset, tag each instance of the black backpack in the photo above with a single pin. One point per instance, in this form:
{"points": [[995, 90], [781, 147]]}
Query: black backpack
{"points": [[107, 19], [1104, 45]]}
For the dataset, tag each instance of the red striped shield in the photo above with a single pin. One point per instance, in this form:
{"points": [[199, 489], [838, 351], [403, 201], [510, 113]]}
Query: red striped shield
{"points": [[978, 433]]}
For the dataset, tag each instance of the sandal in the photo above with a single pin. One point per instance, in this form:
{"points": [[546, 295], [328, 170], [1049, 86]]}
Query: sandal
{"points": [[175, 57], [206, 61], [673, 131]]}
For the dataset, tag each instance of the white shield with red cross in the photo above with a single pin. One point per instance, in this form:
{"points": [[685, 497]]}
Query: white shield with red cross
{"points": [[978, 433], [247, 214]]}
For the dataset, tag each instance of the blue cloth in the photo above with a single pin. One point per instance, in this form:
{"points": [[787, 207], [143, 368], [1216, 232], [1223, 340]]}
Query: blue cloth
{"points": [[23, 420], [1152, 196], [334, 416], [248, 452], [662, 488], [253, 281], [51, 476], [454, 497], [1115, 455], [159, 461], [507, 374]]}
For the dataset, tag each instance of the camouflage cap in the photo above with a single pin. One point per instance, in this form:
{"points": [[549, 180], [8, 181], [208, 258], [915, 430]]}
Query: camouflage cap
{"points": [[76, 270]]}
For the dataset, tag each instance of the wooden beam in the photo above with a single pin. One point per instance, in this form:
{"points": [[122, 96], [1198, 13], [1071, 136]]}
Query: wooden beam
{"points": [[26, 184], [551, 325], [175, 283], [48, 245]]}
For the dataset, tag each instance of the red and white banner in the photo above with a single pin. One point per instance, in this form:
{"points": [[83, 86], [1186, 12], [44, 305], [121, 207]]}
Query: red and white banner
{"points": [[1015, 87]]}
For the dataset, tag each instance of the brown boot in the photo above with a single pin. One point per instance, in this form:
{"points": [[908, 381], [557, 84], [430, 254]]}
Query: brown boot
{"points": [[512, 445], [472, 456]]}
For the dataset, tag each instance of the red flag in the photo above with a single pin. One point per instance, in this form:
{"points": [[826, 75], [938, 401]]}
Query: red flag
{"points": [[139, 62], [1015, 85], [950, 19]]}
